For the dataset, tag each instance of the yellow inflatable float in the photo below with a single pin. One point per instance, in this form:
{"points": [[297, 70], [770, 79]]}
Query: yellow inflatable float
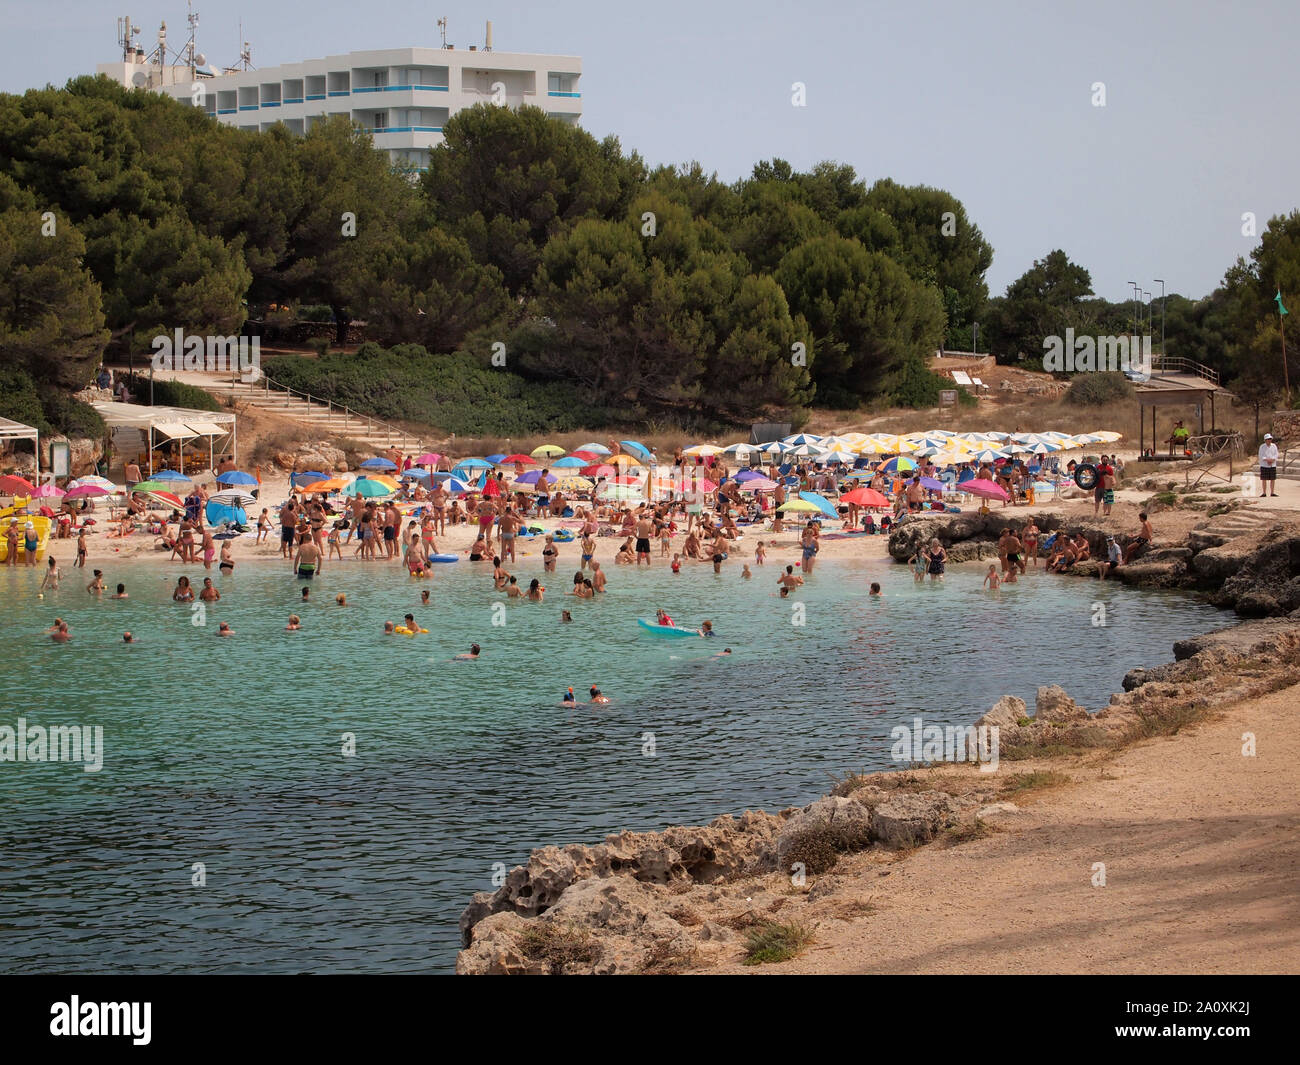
{"points": [[40, 530]]}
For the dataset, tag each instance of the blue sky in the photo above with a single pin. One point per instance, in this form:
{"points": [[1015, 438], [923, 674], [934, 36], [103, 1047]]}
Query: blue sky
{"points": [[991, 101]]}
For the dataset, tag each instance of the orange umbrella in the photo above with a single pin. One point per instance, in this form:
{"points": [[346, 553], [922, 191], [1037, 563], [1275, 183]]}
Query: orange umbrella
{"points": [[334, 484]]}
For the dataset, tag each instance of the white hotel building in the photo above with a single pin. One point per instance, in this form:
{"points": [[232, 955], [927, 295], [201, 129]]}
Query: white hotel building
{"points": [[401, 96]]}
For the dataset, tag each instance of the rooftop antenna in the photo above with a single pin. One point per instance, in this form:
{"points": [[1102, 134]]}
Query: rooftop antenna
{"points": [[442, 27], [190, 55], [125, 33]]}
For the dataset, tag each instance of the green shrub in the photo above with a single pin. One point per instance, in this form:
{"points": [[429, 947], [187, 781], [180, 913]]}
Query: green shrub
{"points": [[772, 942], [1098, 389], [315, 312], [914, 384], [458, 393], [171, 394], [71, 417], [966, 398], [19, 399]]}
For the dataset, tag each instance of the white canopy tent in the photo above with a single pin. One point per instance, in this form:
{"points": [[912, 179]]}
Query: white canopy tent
{"points": [[159, 424], [11, 430]]}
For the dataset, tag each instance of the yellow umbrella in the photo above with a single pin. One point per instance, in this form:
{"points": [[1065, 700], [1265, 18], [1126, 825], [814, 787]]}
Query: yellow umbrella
{"points": [[574, 484], [701, 450], [798, 504], [334, 484], [1109, 436], [547, 451], [623, 460]]}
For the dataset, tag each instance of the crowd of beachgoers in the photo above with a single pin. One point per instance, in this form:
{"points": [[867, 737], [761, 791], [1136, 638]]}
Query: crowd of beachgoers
{"points": [[707, 506]]}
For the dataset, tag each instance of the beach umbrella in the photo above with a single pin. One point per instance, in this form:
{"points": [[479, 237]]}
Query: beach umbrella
{"points": [[429, 458], [820, 502], [802, 438], [988, 455], [757, 484], [620, 491], [306, 477], [587, 457], [985, 489], [637, 448], [454, 485], [594, 449], [739, 450], [571, 483], [569, 462], [837, 456], [865, 497], [232, 497], [48, 491], [87, 491], [547, 451], [1107, 436], [748, 475], [623, 461], [15, 486], [423, 476], [167, 499], [370, 489], [899, 464], [516, 460], [93, 479], [379, 463], [384, 478], [233, 477], [149, 486], [932, 484], [775, 447], [171, 476], [329, 484], [533, 476], [703, 450], [802, 451], [799, 505]]}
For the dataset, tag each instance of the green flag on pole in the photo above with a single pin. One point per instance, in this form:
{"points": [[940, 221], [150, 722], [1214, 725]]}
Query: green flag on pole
{"points": [[1278, 299]]}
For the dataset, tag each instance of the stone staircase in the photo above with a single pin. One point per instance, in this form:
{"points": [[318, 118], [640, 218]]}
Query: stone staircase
{"points": [[1241, 522], [319, 418]]}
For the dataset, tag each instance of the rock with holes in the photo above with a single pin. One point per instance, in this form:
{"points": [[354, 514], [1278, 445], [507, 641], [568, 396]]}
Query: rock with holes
{"points": [[725, 848], [845, 824], [1007, 712]]}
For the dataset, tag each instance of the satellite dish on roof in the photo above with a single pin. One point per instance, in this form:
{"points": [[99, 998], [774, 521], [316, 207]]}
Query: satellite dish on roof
{"points": [[200, 60], [139, 79]]}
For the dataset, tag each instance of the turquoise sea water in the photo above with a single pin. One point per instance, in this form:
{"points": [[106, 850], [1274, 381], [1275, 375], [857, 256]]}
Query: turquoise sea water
{"points": [[228, 752]]}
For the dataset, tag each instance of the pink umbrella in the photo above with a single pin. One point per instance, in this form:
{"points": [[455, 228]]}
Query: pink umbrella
{"points": [[865, 497], [82, 491], [757, 484], [428, 459], [48, 491], [985, 489]]}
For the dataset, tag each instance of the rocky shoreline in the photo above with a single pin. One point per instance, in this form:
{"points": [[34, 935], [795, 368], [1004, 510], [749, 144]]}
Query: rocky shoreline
{"points": [[689, 896]]}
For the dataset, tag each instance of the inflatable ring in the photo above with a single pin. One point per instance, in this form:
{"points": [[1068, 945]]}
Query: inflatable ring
{"points": [[563, 536], [402, 630], [1085, 476]]}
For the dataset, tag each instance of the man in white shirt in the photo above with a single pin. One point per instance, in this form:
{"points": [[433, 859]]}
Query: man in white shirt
{"points": [[1268, 466]]}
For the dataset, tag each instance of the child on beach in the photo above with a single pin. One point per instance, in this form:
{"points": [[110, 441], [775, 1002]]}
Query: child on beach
{"points": [[333, 541], [677, 564], [760, 554], [744, 573], [81, 549], [52, 576], [875, 589], [264, 527], [992, 580], [920, 566]]}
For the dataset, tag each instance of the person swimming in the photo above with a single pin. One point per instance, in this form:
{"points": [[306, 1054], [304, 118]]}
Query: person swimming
{"points": [[596, 696], [662, 617], [569, 697], [706, 629], [295, 623], [474, 652]]}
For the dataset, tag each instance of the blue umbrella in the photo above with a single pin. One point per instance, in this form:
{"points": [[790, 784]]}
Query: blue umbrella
{"points": [[476, 464], [417, 475], [220, 514], [802, 438], [821, 502], [452, 484], [239, 477], [309, 477], [492, 460], [638, 449], [168, 475], [568, 462], [378, 463]]}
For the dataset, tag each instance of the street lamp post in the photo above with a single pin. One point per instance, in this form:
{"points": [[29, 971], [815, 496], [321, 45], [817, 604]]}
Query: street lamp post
{"points": [[1136, 290], [1161, 282]]}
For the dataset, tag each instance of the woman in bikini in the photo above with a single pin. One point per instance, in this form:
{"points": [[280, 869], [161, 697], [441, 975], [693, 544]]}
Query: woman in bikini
{"points": [[227, 566], [183, 593]]}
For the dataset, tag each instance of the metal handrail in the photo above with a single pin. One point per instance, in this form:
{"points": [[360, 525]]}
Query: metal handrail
{"points": [[1180, 364]]}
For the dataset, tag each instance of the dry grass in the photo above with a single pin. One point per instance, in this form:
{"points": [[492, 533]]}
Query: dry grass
{"points": [[772, 942], [1038, 780], [559, 947]]}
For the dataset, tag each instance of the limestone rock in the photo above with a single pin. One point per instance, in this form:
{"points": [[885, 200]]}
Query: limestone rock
{"points": [[845, 823], [1222, 561], [1007, 712], [911, 818], [1052, 704]]}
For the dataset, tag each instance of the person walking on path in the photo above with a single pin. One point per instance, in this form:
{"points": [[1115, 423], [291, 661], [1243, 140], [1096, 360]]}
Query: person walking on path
{"points": [[1268, 467]]}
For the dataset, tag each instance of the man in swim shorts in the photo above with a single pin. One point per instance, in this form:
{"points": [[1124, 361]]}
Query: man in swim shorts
{"points": [[507, 527], [288, 522], [645, 529], [307, 561]]}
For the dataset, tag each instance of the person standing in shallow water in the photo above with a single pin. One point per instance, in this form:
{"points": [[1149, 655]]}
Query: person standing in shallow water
{"points": [[809, 542], [938, 560]]}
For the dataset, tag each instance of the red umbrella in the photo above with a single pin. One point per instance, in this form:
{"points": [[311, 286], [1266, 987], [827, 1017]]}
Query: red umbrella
{"points": [[15, 486], [586, 456], [518, 460], [985, 489], [865, 497]]}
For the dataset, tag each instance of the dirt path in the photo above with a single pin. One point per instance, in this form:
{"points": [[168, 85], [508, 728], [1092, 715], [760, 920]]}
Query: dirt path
{"points": [[1202, 853]]}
